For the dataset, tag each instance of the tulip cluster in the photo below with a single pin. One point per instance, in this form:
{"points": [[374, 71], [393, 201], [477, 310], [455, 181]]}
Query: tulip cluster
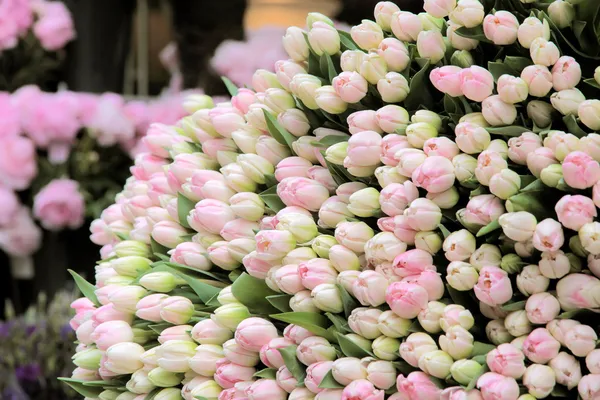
{"points": [[366, 223]]}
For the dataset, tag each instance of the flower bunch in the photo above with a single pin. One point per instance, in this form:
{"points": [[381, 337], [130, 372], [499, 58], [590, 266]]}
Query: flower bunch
{"points": [[64, 152], [381, 218], [32, 38]]}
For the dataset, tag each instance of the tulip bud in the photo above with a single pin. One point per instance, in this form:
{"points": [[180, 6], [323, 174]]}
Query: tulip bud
{"points": [[436, 363], [315, 349], [562, 13], [348, 369], [367, 35], [393, 88], [88, 358], [581, 340], [327, 297], [517, 323], [176, 310], [429, 318], [381, 374], [373, 68], [501, 27], [386, 348], [394, 53], [539, 380], [497, 333], [540, 112], [124, 358], [430, 45], [210, 390], [468, 13], [531, 29], [126, 298], [324, 38], [406, 26], [295, 44], [567, 369], [461, 276]]}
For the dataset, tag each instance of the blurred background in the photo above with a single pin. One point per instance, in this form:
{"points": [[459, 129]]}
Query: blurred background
{"points": [[80, 83]]}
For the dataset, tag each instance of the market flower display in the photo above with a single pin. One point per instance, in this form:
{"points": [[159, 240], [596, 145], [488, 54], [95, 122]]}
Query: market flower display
{"points": [[406, 211]]}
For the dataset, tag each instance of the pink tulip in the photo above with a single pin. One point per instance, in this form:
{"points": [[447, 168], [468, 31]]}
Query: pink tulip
{"points": [[520, 147], [400, 226], [59, 205], [498, 387], [315, 349], [506, 360], [302, 192], [395, 197], [429, 280], [292, 167], [265, 389], [592, 361], [440, 146], [296, 333], [178, 332], [17, 162], [483, 209], [540, 347], [315, 374], [501, 28], [148, 308], [395, 54], [476, 83], [323, 176], [365, 120], [269, 353], [242, 100], [447, 79], [112, 332], [253, 333], [493, 287], [362, 389], [406, 299], [369, 288], [228, 374], [364, 149], [417, 385], [574, 211], [107, 313], [581, 340], [542, 308], [589, 387], [558, 328], [548, 235], [256, 266], [350, 86], [423, 215], [566, 73], [435, 175], [210, 215], [316, 272], [580, 170], [413, 262], [578, 291], [389, 147], [285, 379]]}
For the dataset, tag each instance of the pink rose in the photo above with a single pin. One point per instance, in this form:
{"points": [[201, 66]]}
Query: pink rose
{"points": [[493, 287], [59, 205], [54, 27], [23, 237], [580, 170], [18, 164], [574, 211], [447, 80]]}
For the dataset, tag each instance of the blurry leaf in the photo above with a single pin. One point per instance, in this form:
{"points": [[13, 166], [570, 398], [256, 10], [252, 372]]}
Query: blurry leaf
{"points": [[518, 64], [203, 290], [592, 82], [535, 186], [184, 206], [492, 226], [231, 88], [512, 130], [419, 93], [480, 349], [445, 232], [162, 257], [272, 200], [158, 328], [316, 323], [497, 69], [330, 140], [86, 288], [574, 128], [252, 292], [481, 359], [279, 132], [350, 349], [349, 302], [415, 327], [330, 67], [347, 41], [157, 248], [280, 302], [340, 323], [267, 373], [218, 277], [121, 236], [473, 383], [101, 383], [404, 367], [79, 387], [460, 298], [452, 105], [233, 275], [568, 314], [270, 180], [560, 391], [516, 306], [329, 383], [291, 362], [473, 33]]}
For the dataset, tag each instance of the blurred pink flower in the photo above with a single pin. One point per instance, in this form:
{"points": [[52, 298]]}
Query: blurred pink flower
{"points": [[54, 26], [59, 205], [17, 162], [23, 237], [10, 124]]}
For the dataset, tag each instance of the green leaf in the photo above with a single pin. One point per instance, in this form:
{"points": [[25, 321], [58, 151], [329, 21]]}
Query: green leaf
{"points": [[497, 69], [473, 383], [347, 41], [340, 323], [158, 328], [329, 383], [316, 323], [480, 359], [330, 67], [280, 302], [103, 384], [270, 180], [231, 88], [460, 298], [592, 82], [480, 349], [252, 292], [574, 128], [559, 391], [473, 33], [512, 130], [452, 105], [291, 362], [267, 373], [272, 200], [515, 306], [79, 387], [233, 275], [419, 94], [415, 327], [492, 226], [184, 206], [350, 349], [330, 140], [349, 302], [445, 232], [518, 64], [178, 267], [568, 314], [162, 257], [86, 288], [157, 248], [279, 132], [535, 186], [404, 367], [121, 236], [203, 290]]}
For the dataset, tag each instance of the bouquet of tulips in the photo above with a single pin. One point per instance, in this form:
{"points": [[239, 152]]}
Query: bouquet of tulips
{"points": [[406, 211]]}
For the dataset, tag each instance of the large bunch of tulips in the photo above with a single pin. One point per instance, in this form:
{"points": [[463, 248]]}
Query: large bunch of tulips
{"points": [[407, 211]]}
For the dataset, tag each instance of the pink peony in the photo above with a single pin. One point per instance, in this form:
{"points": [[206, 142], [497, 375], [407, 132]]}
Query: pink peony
{"points": [[23, 237], [18, 164], [54, 27], [59, 205]]}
